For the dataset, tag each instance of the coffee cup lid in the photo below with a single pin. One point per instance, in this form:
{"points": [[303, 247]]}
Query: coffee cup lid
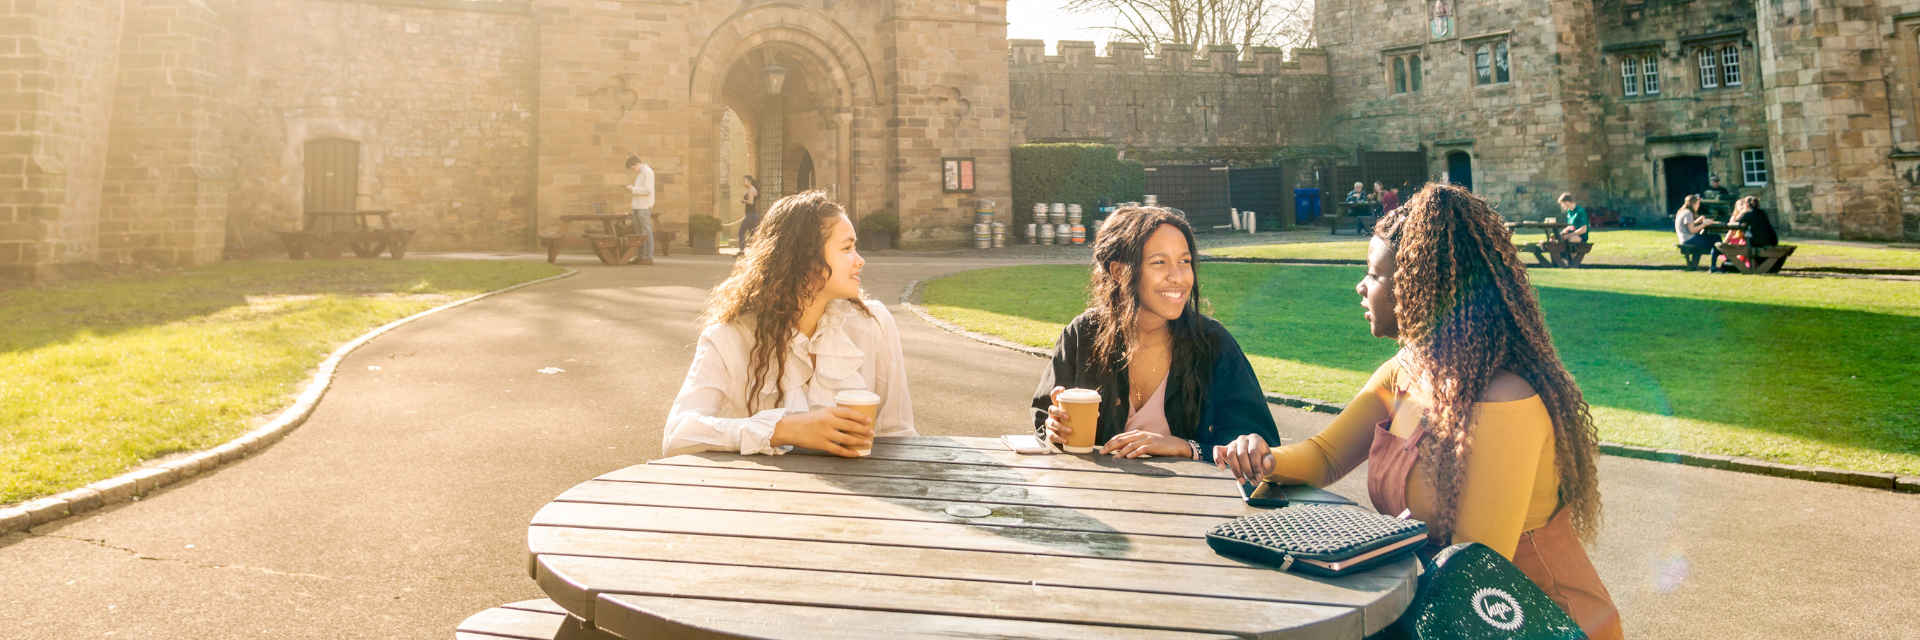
{"points": [[1080, 396], [856, 396]]}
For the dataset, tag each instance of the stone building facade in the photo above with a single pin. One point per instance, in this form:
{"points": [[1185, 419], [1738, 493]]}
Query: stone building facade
{"points": [[1631, 104], [177, 131], [172, 131]]}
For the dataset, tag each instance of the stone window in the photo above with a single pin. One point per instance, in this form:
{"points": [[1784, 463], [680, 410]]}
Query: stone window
{"points": [[1719, 66], [1730, 66], [1709, 69], [1640, 75], [1405, 72], [1491, 64], [1753, 167]]}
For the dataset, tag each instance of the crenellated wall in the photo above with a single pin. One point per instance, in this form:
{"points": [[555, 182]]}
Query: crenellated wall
{"points": [[1175, 100]]}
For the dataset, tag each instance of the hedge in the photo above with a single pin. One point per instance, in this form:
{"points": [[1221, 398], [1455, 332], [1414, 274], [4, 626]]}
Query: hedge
{"points": [[1072, 173]]}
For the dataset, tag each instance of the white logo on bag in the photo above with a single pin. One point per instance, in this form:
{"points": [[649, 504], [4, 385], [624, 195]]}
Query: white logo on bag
{"points": [[1498, 609]]}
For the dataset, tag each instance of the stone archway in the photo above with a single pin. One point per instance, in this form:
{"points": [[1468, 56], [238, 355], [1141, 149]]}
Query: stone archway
{"points": [[835, 85]]}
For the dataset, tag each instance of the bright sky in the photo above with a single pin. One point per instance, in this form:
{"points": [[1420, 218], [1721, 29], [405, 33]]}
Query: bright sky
{"points": [[1043, 20]]}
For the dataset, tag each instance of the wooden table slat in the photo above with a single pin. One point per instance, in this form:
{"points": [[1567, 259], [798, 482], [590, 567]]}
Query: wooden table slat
{"points": [[1245, 618], [961, 473], [1380, 592], [502, 622], [1003, 493], [643, 617], [1135, 467], [856, 506]]}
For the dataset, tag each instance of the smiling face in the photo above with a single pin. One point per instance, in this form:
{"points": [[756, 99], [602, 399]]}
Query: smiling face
{"points": [[1376, 290], [843, 259], [1166, 276]]}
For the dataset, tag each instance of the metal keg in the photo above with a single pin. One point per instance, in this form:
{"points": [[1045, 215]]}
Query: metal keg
{"points": [[1033, 234]]}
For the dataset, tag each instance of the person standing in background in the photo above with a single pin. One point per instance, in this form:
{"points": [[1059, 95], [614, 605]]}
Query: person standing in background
{"points": [[1389, 199], [642, 190], [750, 198]]}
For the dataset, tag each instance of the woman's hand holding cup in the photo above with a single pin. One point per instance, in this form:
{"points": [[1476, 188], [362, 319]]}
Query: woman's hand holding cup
{"points": [[1057, 429], [835, 430]]}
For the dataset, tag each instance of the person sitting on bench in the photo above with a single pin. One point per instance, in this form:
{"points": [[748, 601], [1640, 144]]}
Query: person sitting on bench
{"points": [[1577, 225], [1688, 224], [1759, 234]]}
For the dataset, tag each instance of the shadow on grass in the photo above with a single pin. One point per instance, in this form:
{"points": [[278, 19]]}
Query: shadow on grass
{"points": [[1840, 377], [43, 316]]}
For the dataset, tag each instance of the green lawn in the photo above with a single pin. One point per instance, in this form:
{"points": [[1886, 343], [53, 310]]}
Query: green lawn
{"points": [[1807, 371], [97, 376], [1616, 246]]}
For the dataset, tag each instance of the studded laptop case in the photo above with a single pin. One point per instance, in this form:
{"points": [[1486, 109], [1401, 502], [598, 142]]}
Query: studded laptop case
{"points": [[1318, 539]]}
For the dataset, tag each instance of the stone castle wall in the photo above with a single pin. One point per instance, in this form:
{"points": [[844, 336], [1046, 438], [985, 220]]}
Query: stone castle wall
{"points": [[58, 62], [1173, 101], [1529, 138], [1682, 118], [441, 102]]}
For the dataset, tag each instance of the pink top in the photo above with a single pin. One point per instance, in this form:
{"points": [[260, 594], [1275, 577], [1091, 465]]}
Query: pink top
{"points": [[1152, 416]]}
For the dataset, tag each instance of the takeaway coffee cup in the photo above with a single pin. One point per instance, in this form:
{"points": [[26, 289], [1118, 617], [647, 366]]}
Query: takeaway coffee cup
{"points": [[1083, 416], [864, 402]]}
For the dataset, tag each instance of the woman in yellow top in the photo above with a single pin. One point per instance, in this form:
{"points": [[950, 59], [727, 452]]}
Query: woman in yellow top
{"points": [[1474, 427]]}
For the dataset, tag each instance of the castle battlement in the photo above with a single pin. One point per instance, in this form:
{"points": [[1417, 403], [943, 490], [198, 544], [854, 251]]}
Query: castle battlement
{"points": [[1132, 56]]}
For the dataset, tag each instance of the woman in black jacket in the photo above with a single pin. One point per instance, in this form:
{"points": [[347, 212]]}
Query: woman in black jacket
{"points": [[1172, 381]]}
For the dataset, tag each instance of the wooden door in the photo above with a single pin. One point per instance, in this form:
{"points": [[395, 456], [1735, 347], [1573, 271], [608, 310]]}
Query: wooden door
{"points": [[332, 174]]}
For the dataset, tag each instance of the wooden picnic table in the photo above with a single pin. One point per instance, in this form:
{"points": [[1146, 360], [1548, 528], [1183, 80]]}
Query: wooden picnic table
{"points": [[611, 246], [323, 233], [930, 537], [1551, 251]]}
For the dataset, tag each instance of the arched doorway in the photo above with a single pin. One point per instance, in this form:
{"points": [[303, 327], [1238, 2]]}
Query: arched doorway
{"points": [[1684, 176], [803, 171], [1460, 169]]}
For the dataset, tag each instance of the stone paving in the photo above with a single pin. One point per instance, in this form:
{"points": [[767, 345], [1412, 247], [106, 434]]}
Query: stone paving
{"points": [[400, 507]]}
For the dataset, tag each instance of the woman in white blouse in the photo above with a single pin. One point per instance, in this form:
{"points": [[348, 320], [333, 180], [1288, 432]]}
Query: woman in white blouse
{"points": [[788, 330]]}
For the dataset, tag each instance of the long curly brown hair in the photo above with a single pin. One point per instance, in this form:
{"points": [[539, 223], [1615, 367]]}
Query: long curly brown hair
{"points": [[784, 266], [1467, 312], [1116, 299]]}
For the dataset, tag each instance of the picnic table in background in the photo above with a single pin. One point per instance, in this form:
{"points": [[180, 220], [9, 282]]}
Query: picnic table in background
{"points": [[611, 245], [928, 537], [1551, 251], [324, 234], [1361, 214], [1693, 252]]}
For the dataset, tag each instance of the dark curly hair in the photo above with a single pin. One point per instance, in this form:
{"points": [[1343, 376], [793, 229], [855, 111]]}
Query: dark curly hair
{"points": [[1116, 302], [784, 266], [1467, 313]]}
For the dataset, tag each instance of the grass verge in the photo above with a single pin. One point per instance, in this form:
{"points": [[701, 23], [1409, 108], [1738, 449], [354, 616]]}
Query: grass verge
{"points": [[1804, 371], [1637, 247], [97, 376]]}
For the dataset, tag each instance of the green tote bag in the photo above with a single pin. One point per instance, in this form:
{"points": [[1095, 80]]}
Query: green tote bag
{"points": [[1469, 592]]}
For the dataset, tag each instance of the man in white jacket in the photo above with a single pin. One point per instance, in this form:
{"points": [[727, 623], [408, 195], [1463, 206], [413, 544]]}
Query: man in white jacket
{"points": [[642, 190]]}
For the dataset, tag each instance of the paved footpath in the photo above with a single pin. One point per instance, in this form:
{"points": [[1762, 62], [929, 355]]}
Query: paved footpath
{"points": [[400, 507]]}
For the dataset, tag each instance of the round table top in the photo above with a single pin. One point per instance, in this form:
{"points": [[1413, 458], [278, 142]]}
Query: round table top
{"points": [[931, 537]]}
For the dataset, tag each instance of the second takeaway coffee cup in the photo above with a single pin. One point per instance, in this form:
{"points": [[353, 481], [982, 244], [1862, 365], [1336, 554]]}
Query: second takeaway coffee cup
{"points": [[864, 402], [1083, 416]]}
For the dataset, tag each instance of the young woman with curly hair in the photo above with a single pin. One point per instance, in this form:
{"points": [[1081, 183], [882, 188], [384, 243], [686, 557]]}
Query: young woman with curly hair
{"points": [[1474, 427], [1172, 382], [785, 333]]}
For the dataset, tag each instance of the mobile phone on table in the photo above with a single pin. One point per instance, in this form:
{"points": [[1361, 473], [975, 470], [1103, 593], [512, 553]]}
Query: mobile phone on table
{"points": [[1263, 495], [1028, 444]]}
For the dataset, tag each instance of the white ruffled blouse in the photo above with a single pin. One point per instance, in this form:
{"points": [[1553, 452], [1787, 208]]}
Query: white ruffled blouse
{"points": [[847, 350]]}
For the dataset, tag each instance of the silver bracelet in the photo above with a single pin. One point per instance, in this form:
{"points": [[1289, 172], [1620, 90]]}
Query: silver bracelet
{"points": [[1196, 449]]}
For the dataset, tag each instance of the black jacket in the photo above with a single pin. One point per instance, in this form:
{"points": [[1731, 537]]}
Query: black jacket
{"points": [[1234, 405], [1760, 231]]}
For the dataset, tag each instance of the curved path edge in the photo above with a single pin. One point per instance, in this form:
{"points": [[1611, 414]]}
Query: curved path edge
{"points": [[1889, 481], [132, 485]]}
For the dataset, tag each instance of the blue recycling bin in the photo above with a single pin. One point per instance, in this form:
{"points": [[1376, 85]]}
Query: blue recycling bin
{"points": [[1306, 206]]}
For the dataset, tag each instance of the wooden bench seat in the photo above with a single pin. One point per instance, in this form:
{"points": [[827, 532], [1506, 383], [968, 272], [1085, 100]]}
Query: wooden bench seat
{"points": [[1361, 224], [1692, 253], [529, 620], [1552, 253], [1765, 259]]}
